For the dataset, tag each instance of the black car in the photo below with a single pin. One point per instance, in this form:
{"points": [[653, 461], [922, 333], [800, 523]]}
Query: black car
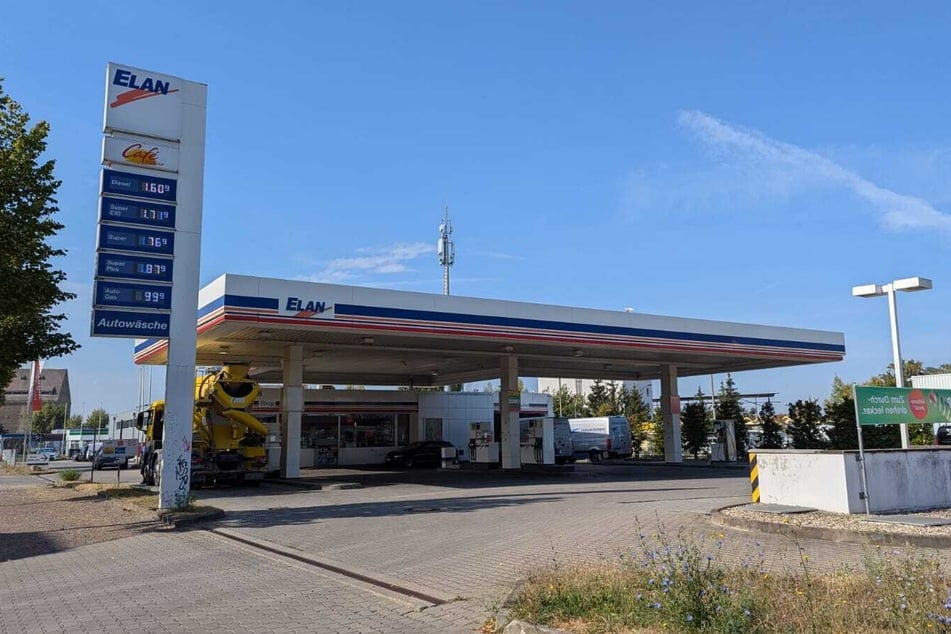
{"points": [[426, 452], [943, 435]]}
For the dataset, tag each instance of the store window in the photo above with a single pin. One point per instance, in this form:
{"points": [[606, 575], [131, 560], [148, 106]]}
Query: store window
{"points": [[368, 430], [318, 431]]}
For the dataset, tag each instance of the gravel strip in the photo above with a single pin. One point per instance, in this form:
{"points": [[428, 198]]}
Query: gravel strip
{"points": [[47, 518], [839, 521]]}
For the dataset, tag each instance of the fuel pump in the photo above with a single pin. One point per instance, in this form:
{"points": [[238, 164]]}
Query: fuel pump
{"points": [[537, 441], [482, 446]]}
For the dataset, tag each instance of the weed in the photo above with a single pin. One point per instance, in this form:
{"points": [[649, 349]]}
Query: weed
{"points": [[679, 583]]}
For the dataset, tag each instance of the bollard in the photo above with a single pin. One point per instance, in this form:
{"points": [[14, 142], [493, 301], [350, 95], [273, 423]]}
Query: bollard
{"points": [[754, 478]]}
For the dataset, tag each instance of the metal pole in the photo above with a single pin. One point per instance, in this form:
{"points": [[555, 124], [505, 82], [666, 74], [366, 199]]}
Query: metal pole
{"points": [[896, 353], [858, 429], [95, 439]]}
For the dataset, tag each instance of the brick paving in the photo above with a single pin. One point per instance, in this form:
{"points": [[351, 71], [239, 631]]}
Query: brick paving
{"points": [[464, 538]]}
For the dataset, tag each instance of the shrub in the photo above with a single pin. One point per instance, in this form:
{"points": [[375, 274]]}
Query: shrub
{"points": [[69, 475]]}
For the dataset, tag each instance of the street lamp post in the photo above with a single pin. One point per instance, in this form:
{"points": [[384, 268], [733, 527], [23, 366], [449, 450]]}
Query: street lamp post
{"points": [[907, 285]]}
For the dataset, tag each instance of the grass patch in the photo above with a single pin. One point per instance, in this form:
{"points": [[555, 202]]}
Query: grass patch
{"points": [[8, 469], [679, 584]]}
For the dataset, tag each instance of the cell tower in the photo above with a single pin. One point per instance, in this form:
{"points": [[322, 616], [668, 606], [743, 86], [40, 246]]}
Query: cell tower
{"points": [[446, 250]]}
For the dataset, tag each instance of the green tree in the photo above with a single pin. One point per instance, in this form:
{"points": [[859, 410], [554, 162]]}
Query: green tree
{"points": [[74, 422], [728, 407], [805, 426], [567, 403], [638, 415], [657, 433], [52, 416], [98, 418], [29, 284], [695, 426], [634, 405], [599, 399], [772, 432]]}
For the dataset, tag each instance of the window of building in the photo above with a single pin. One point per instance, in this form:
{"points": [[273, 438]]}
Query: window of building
{"points": [[368, 430]]}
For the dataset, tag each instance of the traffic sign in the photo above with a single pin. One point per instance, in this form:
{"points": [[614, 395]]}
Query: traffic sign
{"points": [[136, 212], [138, 185], [120, 323], [150, 241], [133, 267], [133, 295]]}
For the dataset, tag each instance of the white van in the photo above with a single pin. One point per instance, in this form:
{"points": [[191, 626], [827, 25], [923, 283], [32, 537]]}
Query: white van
{"points": [[601, 437]]}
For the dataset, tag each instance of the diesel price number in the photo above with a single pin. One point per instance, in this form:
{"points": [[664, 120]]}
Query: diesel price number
{"points": [[138, 185]]}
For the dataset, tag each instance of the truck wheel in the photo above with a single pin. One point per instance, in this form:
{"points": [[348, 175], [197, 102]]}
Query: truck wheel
{"points": [[408, 462], [594, 455], [124, 465]]}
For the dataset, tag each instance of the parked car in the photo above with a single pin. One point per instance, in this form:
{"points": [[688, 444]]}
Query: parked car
{"points": [[51, 454], [425, 452], [943, 435], [35, 458]]}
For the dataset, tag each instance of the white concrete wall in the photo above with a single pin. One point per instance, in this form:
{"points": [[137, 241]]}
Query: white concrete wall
{"points": [[906, 480], [803, 478], [898, 480]]}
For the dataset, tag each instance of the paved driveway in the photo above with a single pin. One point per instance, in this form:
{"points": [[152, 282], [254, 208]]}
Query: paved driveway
{"points": [[420, 551]]}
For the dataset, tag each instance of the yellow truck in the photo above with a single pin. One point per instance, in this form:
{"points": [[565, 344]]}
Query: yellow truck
{"points": [[227, 441]]}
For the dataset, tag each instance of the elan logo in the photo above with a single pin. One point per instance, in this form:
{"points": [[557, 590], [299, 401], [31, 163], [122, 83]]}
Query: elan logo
{"points": [[139, 87], [306, 308]]}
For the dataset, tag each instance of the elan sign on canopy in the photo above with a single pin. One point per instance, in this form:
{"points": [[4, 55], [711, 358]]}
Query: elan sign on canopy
{"points": [[901, 405]]}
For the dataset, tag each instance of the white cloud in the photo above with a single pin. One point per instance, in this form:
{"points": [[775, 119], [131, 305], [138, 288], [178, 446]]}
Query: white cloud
{"points": [[794, 167], [387, 260]]}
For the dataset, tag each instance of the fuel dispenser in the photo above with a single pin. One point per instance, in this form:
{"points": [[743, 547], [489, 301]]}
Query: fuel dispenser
{"points": [[537, 440], [724, 447], [482, 446]]}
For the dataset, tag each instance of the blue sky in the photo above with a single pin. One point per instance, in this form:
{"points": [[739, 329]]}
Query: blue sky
{"points": [[736, 161]]}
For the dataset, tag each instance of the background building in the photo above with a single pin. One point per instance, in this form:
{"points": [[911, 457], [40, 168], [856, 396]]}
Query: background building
{"points": [[54, 388]]}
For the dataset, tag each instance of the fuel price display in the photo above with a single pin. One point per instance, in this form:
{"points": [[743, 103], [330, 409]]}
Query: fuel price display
{"points": [[136, 212], [138, 240], [138, 185], [133, 295], [133, 267]]}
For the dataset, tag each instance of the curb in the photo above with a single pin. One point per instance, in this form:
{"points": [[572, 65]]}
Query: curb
{"points": [[314, 486], [830, 534], [177, 519], [524, 627]]}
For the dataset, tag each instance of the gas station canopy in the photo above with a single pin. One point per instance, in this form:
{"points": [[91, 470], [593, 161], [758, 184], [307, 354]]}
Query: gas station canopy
{"points": [[366, 336]]}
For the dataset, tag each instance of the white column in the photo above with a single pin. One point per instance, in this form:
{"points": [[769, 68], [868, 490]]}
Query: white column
{"points": [[174, 490], [511, 454], [292, 407], [670, 411]]}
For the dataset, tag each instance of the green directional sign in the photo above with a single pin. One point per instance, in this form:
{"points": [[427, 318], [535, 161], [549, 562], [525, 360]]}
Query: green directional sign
{"points": [[901, 405]]}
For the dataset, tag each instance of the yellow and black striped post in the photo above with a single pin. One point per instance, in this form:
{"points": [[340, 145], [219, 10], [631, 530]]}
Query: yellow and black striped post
{"points": [[754, 478]]}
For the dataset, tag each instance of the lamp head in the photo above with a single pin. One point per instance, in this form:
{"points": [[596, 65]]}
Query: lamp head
{"points": [[912, 284], [867, 290]]}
